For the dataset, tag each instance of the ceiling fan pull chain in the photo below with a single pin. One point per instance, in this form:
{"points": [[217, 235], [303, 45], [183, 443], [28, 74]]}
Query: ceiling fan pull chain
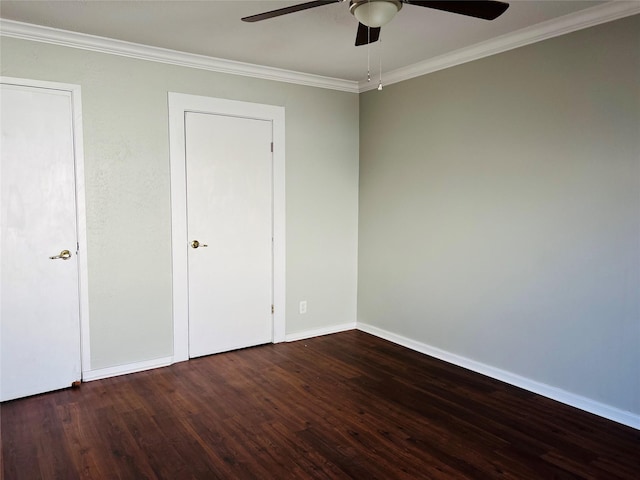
{"points": [[380, 82], [368, 54]]}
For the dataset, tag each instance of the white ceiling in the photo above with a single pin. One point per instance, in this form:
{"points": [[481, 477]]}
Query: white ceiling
{"points": [[317, 41]]}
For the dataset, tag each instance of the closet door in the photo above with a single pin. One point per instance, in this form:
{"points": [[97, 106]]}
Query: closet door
{"points": [[40, 320], [229, 216]]}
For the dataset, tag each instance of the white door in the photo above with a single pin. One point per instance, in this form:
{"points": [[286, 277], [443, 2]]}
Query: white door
{"points": [[40, 324], [229, 215]]}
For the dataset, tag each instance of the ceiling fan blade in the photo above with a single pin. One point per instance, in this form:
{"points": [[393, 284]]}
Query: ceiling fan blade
{"points": [[367, 35], [488, 10], [286, 10]]}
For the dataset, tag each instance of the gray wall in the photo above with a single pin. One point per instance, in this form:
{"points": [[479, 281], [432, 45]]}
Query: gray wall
{"points": [[500, 204], [128, 195], [500, 212]]}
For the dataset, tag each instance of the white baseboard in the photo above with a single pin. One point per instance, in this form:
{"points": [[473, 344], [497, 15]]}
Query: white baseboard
{"points": [[626, 418], [100, 373], [292, 337]]}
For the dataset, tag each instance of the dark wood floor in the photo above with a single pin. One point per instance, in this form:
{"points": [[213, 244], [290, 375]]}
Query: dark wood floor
{"points": [[347, 405]]}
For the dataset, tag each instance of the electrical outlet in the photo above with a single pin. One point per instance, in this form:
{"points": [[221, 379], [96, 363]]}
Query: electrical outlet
{"points": [[303, 307]]}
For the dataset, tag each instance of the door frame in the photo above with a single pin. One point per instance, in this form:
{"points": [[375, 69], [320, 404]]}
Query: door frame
{"points": [[80, 204], [180, 103]]}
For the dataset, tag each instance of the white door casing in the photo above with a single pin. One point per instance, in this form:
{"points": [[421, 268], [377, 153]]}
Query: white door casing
{"points": [[179, 106], [229, 216], [44, 300]]}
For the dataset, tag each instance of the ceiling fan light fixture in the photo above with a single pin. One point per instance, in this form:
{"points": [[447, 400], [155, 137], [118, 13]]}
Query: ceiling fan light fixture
{"points": [[374, 13]]}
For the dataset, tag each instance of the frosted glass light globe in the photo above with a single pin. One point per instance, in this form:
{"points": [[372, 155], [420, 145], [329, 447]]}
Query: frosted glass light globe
{"points": [[375, 13]]}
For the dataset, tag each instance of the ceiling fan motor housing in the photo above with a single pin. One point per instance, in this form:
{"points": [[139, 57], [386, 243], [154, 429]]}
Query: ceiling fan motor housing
{"points": [[374, 13]]}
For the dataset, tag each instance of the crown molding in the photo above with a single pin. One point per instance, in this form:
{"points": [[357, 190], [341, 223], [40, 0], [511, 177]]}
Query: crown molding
{"points": [[54, 36], [552, 28], [559, 26]]}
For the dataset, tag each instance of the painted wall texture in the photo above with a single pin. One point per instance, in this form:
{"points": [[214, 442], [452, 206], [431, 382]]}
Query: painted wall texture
{"points": [[500, 212], [499, 204], [126, 143]]}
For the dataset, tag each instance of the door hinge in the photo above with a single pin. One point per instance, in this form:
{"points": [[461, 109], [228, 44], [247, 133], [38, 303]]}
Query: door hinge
{"points": [[271, 147], [273, 310]]}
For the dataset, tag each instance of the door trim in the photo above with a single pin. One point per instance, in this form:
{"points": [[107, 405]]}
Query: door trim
{"points": [[180, 103], [81, 211]]}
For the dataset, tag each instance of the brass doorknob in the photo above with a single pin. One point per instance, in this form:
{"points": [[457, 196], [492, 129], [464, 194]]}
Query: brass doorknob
{"points": [[196, 244], [64, 255]]}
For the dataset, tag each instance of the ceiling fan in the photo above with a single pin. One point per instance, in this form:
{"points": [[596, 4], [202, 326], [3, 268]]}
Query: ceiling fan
{"points": [[373, 14]]}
